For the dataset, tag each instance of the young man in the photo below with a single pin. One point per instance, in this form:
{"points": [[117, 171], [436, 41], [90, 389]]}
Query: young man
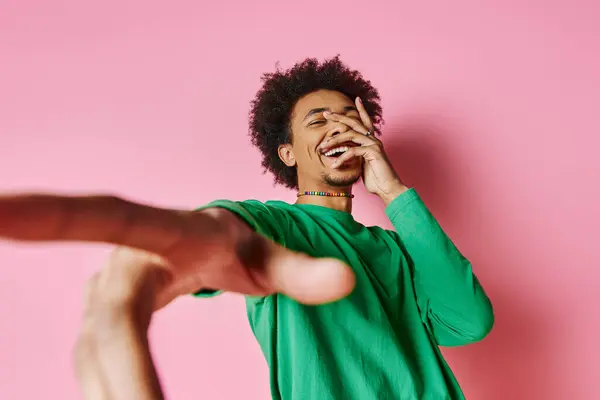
{"points": [[340, 310]]}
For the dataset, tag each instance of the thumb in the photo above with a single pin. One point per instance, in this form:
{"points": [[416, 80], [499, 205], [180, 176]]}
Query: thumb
{"points": [[306, 279]]}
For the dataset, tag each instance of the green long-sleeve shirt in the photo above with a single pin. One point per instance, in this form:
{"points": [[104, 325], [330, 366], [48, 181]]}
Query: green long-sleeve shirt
{"points": [[414, 291]]}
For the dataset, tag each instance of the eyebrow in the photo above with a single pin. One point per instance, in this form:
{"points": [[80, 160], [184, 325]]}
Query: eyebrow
{"points": [[320, 110]]}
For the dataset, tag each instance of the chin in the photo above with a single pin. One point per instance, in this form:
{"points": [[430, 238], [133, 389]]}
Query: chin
{"points": [[343, 178]]}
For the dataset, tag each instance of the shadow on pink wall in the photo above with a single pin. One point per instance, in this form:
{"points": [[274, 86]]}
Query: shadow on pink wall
{"points": [[516, 359]]}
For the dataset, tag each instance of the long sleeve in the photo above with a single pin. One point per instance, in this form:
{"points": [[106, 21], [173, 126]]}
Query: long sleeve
{"points": [[452, 303]]}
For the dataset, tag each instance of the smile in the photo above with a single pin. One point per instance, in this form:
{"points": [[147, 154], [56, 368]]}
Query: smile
{"points": [[338, 151]]}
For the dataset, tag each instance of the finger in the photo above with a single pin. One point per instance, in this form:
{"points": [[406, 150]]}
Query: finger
{"points": [[351, 136], [351, 122], [350, 154], [309, 280], [95, 218], [364, 116]]}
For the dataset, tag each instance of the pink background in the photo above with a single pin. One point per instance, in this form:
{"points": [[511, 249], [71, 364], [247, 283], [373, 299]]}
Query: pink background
{"points": [[490, 115]]}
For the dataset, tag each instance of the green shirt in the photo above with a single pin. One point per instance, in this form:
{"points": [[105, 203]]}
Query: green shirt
{"points": [[414, 291]]}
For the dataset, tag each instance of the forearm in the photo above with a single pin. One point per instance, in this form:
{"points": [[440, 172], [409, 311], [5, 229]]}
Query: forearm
{"points": [[114, 360], [126, 359], [448, 292], [112, 357]]}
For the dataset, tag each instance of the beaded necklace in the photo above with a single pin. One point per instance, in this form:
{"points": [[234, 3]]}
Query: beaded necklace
{"points": [[325, 194]]}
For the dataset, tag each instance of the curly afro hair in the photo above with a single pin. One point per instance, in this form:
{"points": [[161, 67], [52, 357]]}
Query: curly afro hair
{"points": [[271, 109]]}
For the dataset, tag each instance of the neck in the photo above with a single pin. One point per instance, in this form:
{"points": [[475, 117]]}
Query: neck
{"points": [[336, 203]]}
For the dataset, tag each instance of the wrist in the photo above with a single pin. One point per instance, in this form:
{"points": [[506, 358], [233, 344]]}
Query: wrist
{"points": [[393, 192]]}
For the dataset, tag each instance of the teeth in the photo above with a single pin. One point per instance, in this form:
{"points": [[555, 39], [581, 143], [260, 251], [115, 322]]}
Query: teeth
{"points": [[340, 150]]}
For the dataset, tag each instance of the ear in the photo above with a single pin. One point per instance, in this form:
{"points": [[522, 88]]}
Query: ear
{"points": [[286, 154]]}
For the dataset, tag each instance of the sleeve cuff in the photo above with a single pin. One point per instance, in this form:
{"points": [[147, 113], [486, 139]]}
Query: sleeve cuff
{"points": [[206, 293], [401, 203]]}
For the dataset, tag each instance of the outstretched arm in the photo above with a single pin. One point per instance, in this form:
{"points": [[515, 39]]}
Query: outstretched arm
{"points": [[208, 249]]}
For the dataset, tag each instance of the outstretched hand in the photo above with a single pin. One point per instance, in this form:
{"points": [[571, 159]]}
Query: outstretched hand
{"points": [[210, 249]]}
